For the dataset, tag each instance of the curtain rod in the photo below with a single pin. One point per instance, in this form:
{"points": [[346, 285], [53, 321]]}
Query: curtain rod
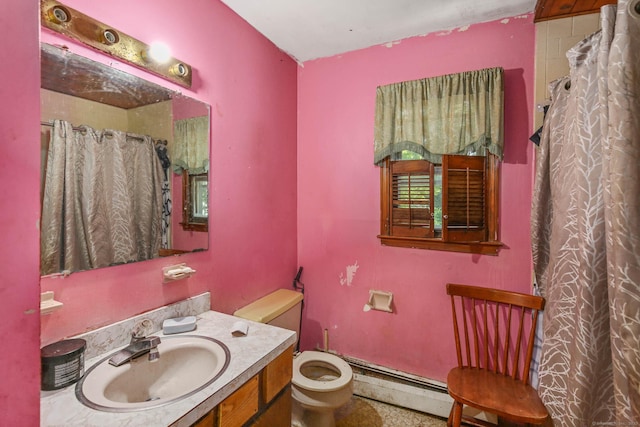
{"points": [[108, 133], [50, 124]]}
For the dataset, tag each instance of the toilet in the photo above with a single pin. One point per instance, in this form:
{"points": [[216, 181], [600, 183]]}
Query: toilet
{"points": [[322, 382]]}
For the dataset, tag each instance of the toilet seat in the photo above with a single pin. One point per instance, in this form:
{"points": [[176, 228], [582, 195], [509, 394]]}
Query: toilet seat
{"points": [[299, 380]]}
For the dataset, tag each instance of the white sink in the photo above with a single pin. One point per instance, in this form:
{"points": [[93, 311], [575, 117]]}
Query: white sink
{"points": [[187, 364]]}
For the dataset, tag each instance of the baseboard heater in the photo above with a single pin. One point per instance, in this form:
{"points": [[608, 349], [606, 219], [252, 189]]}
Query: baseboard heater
{"points": [[405, 390]]}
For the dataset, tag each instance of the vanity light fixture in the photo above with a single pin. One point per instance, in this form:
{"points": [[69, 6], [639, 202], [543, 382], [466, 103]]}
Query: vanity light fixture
{"points": [[71, 23]]}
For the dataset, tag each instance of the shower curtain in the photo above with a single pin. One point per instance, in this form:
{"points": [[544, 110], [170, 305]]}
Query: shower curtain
{"points": [[586, 229], [102, 200]]}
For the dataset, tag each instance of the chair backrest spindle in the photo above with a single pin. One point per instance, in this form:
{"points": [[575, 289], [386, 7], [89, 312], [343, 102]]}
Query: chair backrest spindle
{"points": [[518, 342], [530, 346], [456, 332], [485, 309], [476, 339], [496, 341], [505, 360], [466, 335]]}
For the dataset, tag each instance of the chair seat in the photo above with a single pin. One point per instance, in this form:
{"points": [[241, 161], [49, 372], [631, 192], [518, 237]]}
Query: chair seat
{"points": [[497, 394]]}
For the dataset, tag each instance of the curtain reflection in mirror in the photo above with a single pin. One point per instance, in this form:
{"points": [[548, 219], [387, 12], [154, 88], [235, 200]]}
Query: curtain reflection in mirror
{"points": [[102, 200], [191, 148], [163, 155]]}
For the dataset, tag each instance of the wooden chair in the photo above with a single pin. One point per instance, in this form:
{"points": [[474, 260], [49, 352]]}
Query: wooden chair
{"points": [[494, 344]]}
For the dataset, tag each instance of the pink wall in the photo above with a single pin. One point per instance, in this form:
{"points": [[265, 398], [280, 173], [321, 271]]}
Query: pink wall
{"points": [[251, 87], [339, 202], [19, 189]]}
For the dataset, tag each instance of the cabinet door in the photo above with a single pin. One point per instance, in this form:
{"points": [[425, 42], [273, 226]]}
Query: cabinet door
{"points": [[277, 375], [236, 409], [208, 420], [278, 414]]}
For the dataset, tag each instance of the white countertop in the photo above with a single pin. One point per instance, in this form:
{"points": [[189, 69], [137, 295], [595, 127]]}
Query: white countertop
{"points": [[249, 355]]}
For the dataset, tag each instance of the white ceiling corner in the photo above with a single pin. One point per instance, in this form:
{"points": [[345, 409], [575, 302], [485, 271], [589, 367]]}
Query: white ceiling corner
{"points": [[311, 29]]}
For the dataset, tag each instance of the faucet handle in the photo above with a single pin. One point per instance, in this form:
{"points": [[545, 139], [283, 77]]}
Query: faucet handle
{"points": [[153, 341]]}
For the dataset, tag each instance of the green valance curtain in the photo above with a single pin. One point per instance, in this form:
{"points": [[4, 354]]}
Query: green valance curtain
{"points": [[190, 150], [452, 114]]}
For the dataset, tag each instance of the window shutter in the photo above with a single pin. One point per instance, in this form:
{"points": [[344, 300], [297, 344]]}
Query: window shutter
{"points": [[464, 199], [411, 198]]}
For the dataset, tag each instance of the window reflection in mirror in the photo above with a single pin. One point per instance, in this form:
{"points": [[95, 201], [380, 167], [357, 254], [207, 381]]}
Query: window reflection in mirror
{"points": [[199, 196], [74, 89], [195, 193]]}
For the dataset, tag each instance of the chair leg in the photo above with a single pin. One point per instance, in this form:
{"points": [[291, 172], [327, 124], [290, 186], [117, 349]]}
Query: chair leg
{"points": [[455, 417]]}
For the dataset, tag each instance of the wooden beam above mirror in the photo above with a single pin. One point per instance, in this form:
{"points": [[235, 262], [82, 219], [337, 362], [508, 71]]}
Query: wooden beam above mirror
{"points": [[77, 76], [555, 9]]}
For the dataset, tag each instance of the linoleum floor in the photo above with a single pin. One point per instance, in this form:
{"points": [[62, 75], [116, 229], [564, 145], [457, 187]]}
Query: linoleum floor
{"points": [[362, 412]]}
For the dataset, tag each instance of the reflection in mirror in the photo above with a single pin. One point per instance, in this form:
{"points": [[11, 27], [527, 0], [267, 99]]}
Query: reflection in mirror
{"points": [[200, 198], [94, 119], [195, 193]]}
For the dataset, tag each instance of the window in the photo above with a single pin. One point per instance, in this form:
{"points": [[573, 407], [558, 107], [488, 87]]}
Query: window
{"points": [[432, 197], [451, 206]]}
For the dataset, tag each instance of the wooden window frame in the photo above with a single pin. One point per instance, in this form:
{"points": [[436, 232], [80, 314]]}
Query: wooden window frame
{"points": [[190, 222], [413, 208], [481, 240]]}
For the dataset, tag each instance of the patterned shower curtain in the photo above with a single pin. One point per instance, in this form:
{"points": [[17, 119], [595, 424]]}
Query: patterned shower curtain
{"points": [[102, 201], [586, 229]]}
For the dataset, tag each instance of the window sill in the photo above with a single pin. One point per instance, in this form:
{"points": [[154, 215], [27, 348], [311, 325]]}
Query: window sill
{"points": [[483, 248], [195, 226]]}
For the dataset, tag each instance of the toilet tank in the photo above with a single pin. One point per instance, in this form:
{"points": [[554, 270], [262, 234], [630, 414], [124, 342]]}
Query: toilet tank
{"points": [[281, 308]]}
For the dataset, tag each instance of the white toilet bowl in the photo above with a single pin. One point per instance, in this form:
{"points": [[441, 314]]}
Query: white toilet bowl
{"points": [[321, 383]]}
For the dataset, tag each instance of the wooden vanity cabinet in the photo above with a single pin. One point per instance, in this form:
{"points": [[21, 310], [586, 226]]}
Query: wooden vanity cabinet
{"points": [[208, 420], [238, 408], [263, 401], [277, 374]]}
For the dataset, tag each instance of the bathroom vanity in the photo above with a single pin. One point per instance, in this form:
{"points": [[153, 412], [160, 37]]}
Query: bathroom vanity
{"points": [[253, 390]]}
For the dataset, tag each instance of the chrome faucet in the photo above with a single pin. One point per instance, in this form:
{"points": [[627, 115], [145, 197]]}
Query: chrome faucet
{"points": [[137, 347]]}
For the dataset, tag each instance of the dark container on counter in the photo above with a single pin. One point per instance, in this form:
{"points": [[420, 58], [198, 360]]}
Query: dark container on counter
{"points": [[62, 363]]}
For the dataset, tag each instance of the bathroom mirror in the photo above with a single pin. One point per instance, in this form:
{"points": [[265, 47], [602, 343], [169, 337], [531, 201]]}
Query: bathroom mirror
{"points": [[91, 95]]}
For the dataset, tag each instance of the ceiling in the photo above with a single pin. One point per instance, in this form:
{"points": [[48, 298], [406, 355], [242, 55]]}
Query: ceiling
{"points": [[310, 29]]}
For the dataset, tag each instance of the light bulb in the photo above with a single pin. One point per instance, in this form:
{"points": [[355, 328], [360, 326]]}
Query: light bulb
{"points": [[159, 52]]}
